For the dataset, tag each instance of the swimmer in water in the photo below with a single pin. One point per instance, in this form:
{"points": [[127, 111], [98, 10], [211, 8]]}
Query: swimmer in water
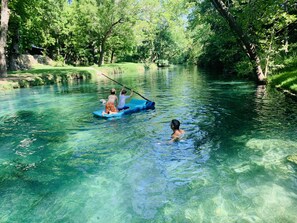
{"points": [[177, 132]]}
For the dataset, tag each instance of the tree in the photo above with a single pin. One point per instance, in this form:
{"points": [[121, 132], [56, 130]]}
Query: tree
{"points": [[249, 47], [25, 27], [112, 14], [121, 44], [106, 35], [3, 37], [265, 26], [161, 31]]}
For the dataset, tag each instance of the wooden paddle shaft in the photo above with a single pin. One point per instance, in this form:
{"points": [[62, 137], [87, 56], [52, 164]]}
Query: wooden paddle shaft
{"points": [[124, 86]]}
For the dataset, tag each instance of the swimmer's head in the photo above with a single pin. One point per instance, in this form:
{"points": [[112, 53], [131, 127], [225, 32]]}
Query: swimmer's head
{"points": [[175, 124]]}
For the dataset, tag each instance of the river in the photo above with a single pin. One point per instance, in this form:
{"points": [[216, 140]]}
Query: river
{"points": [[58, 163]]}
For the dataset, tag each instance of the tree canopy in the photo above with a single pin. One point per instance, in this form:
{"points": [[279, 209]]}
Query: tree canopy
{"points": [[267, 24], [179, 31]]}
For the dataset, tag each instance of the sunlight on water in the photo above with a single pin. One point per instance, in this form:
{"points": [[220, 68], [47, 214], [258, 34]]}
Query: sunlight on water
{"points": [[58, 163]]}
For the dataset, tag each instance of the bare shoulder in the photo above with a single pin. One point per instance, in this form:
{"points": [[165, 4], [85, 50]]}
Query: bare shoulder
{"points": [[178, 134]]}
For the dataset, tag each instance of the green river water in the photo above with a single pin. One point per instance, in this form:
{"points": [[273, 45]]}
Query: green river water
{"points": [[58, 163]]}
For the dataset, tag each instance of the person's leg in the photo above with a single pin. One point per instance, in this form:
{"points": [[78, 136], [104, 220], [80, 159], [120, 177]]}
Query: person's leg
{"points": [[109, 108], [113, 109]]}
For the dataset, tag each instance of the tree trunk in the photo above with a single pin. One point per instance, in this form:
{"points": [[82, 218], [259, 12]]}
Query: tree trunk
{"points": [[101, 54], [14, 50], [249, 48], [112, 56], [286, 36], [104, 39], [3, 37], [268, 55]]}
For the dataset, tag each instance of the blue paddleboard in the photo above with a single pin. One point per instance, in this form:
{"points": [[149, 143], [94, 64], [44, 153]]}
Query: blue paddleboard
{"points": [[135, 105]]}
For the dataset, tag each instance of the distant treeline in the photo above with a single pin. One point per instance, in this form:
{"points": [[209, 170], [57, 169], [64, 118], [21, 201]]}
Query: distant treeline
{"points": [[242, 37]]}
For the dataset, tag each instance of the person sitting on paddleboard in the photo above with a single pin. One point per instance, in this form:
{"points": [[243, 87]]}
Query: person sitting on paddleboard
{"points": [[177, 132], [122, 99], [110, 107]]}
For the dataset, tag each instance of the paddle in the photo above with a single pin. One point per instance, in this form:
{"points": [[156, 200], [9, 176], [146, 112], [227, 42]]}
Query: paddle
{"points": [[125, 87]]}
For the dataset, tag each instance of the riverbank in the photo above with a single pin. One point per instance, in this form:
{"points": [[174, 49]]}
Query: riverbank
{"points": [[44, 74], [285, 79]]}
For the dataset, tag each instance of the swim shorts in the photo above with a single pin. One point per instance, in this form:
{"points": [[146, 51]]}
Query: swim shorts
{"points": [[109, 107]]}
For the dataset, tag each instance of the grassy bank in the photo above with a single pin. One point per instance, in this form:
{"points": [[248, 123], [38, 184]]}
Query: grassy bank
{"points": [[42, 74], [286, 79]]}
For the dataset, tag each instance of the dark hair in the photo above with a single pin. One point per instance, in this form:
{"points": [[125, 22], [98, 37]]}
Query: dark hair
{"points": [[112, 91], [175, 124], [124, 91]]}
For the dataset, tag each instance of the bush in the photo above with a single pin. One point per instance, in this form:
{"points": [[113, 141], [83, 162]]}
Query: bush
{"points": [[243, 68]]}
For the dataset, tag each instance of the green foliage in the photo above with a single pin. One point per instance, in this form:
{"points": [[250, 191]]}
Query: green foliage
{"points": [[82, 32], [243, 68], [163, 31], [286, 78], [266, 23], [212, 39]]}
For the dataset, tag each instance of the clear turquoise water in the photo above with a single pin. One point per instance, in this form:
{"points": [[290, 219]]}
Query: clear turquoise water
{"points": [[60, 164]]}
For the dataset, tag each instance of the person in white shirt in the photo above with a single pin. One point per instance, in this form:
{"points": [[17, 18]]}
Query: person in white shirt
{"points": [[122, 99]]}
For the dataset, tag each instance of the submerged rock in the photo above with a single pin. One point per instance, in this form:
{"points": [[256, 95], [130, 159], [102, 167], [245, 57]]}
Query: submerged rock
{"points": [[292, 158], [268, 144], [271, 153]]}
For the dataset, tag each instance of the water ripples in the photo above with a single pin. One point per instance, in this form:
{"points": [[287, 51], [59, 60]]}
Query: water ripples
{"points": [[69, 166]]}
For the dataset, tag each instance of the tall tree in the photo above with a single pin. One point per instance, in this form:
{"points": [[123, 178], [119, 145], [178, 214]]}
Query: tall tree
{"points": [[112, 14], [108, 31], [161, 30], [3, 37], [25, 27], [249, 47], [264, 23]]}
